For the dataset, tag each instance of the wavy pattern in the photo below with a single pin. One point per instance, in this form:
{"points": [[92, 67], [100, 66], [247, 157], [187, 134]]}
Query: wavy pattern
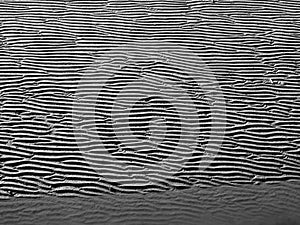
{"points": [[252, 48], [138, 124]]}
